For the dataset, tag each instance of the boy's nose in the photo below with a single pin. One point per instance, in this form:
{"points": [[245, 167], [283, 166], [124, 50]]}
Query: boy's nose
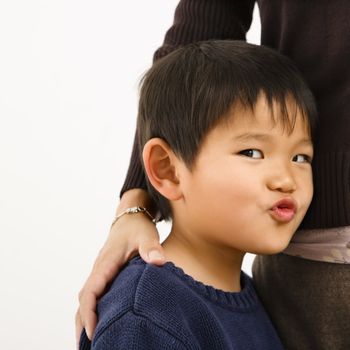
{"points": [[281, 179]]}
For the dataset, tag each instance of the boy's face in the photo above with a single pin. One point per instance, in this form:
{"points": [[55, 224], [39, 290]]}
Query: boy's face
{"points": [[251, 185]]}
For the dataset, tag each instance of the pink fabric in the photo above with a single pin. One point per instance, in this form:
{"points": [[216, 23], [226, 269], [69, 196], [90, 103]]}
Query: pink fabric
{"points": [[330, 245]]}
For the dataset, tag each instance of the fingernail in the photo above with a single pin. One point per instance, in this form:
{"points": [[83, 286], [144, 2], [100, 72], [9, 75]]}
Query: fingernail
{"points": [[155, 255]]}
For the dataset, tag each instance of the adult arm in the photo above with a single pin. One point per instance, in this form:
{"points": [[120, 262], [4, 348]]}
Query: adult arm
{"points": [[118, 249], [194, 20]]}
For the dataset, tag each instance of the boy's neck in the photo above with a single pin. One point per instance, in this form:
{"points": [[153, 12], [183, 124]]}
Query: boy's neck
{"points": [[214, 266]]}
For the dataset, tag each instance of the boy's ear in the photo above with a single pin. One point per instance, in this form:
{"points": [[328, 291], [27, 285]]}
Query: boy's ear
{"points": [[161, 168]]}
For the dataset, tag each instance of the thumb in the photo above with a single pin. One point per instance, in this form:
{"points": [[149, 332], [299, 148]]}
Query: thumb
{"points": [[152, 252]]}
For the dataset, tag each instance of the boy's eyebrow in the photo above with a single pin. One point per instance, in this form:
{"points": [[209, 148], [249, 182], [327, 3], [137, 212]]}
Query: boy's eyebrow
{"points": [[263, 137], [307, 141], [249, 136]]}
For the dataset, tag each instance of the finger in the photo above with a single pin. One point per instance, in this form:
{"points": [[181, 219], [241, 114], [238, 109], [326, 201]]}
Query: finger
{"points": [[104, 270], [152, 252], [88, 302], [78, 329]]}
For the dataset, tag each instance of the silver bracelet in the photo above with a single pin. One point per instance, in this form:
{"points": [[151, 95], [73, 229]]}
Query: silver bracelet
{"points": [[134, 210]]}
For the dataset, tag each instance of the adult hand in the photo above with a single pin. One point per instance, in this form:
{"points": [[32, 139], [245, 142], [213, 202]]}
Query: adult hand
{"points": [[130, 235]]}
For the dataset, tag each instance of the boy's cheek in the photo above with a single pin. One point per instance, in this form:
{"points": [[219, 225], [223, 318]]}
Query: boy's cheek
{"points": [[306, 202], [306, 192], [311, 191]]}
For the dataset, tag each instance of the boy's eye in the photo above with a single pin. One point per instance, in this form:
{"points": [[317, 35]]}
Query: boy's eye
{"points": [[252, 153], [302, 158]]}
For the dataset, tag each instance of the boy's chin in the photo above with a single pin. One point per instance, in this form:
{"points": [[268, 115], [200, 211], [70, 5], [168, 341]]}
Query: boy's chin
{"points": [[273, 248]]}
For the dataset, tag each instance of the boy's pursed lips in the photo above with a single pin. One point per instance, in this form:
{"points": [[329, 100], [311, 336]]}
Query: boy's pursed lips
{"points": [[284, 210]]}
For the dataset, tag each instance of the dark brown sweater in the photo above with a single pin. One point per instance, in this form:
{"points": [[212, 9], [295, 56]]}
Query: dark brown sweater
{"points": [[316, 35]]}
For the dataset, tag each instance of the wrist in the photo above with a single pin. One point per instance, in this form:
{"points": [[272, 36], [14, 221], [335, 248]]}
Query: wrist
{"points": [[135, 197], [135, 210]]}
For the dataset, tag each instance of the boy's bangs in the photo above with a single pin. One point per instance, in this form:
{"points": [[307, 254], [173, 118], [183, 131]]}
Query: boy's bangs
{"points": [[284, 111]]}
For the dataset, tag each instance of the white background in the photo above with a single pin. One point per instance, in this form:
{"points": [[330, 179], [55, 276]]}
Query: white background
{"points": [[68, 97]]}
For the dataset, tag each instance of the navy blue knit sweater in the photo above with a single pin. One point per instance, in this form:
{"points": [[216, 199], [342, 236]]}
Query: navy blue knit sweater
{"points": [[150, 307]]}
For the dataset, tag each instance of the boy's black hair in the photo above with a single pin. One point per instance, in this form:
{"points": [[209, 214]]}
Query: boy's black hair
{"points": [[189, 91]]}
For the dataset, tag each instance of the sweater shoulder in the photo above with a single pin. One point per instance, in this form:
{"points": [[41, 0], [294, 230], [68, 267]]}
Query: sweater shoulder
{"points": [[142, 296], [145, 289], [120, 296]]}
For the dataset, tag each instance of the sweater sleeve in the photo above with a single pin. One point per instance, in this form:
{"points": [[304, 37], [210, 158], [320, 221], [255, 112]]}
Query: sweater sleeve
{"points": [[134, 332], [194, 20]]}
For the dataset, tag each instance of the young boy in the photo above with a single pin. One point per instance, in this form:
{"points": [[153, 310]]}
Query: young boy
{"points": [[226, 132]]}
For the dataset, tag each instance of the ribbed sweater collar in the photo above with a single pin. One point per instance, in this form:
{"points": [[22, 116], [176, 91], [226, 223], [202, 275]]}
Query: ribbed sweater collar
{"points": [[244, 300]]}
